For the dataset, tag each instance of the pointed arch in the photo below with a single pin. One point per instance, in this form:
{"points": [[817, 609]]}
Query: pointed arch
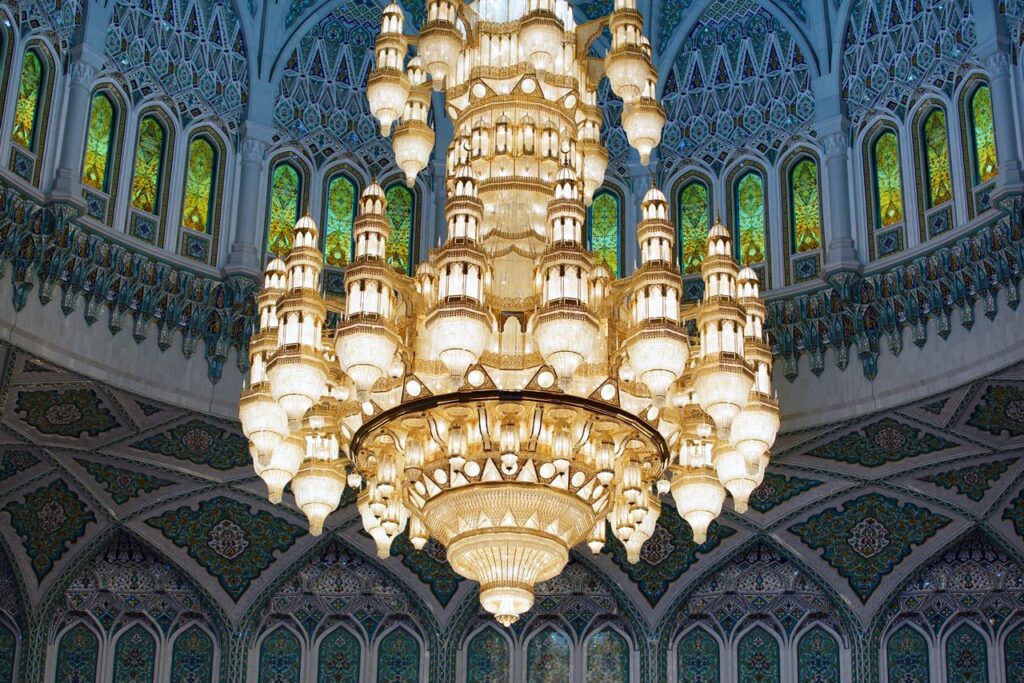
{"points": [[77, 654], [905, 655], [402, 211], [149, 192], [340, 199], [933, 169], [399, 656], [607, 656], [1013, 652], [287, 197], [34, 98], [339, 656], [978, 143], [698, 656], [202, 198], [488, 656], [279, 656], [818, 656], [886, 213], [548, 655], [695, 200], [604, 230], [101, 160], [802, 216], [193, 655], [965, 652], [758, 657], [134, 654], [747, 211]]}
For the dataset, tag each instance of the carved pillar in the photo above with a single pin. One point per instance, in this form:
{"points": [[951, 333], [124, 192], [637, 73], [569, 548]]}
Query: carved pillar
{"points": [[840, 252], [81, 74], [639, 182], [246, 251], [1007, 144]]}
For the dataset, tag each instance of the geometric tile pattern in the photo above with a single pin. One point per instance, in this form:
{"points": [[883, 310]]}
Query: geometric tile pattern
{"points": [[69, 412], [13, 461], [1000, 410], [886, 440], [777, 489], [973, 481], [122, 485], [201, 443], [49, 520]]}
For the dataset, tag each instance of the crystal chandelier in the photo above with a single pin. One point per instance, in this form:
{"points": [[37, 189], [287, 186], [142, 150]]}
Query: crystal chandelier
{"points": [[511, 400]]}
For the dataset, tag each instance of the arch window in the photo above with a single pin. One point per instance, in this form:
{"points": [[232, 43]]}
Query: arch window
{"points": [[983, 136], [8, 648], [280, 657], [887, 180], [750, 218], [936, 157], [906, 656], [339, 658], [605, 230], [401, 214], [966, 656], [341, 213], [547, 657], [758, 657], [134, 656], [607, 657], [192, 659], [99, 139], [149, 163], [398, 658], [487, 658], [200, 179], [697, 658], [694, 223], [285, 193], [77, 656], [805, 206], [27, 107], [1013, 653], [817, 657]]}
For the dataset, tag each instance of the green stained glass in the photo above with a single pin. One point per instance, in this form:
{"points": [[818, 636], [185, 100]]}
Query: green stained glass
{"points": [[27, 108], [888, 189], [341, 203], [604, 231], [149, 159], [936, 142], [400, 215], [285, 189], [750, 218], [694, 223], [199, 177], [97, 142], [986, 163], [806, 206]]}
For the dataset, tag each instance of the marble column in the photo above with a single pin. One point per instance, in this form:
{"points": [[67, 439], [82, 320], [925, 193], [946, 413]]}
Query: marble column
{"points": [[81, 74], [840, 252], [1007, 144], [247, 250]]}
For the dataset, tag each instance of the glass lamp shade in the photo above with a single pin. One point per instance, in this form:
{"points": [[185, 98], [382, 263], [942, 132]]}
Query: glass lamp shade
{"points": [[722, 382], [643, 121], [412, 143], [297, 377], [595, 163], [365, 350], [264, 420], [318, 486], [458, 335], [439, 46], [628, 72], [387, 91], [699, 496], [281, 465], [754, 428], [540, 39], [564, 339], [658, 357], [733, 473]]}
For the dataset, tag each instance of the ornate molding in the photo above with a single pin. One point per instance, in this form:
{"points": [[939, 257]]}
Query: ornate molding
{"points": [[254, 150], [835, 145], [82, 74]]}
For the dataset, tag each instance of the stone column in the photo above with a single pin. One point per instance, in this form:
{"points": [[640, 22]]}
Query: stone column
{"points": [[81, 74], [997, 63], [840, 252], [639, 182], [247, 250]]}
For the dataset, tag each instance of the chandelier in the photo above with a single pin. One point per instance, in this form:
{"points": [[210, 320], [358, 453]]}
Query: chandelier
{"points": [[512, 399]]}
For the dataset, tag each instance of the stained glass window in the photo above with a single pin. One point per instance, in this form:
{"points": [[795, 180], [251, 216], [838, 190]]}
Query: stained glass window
{"points": [[694, 223], [400, 215], [76, 656], [605, 219], [758, 655], [986, 163], [1014, 654], [199, 178], [26, 111], [817, 657], [8, 644], [192, 661], [936, 145], [134, 656], [805, 206], [285, 192], [341, 205], [888, 183], [547, 658], [98, 137], [398, 658], [149, 161], [906, 656], [487, 658], [698, 658], [338, 661], [966, 656], [607, 657], [750, 218], [280, 657]]}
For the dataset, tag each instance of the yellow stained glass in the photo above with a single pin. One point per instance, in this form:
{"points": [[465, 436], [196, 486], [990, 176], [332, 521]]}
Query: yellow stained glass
{"points": [[940, 181], [694, 223], [97, 142], [986, 161], [604, 231], [285, 188], [149, 160], [399, 212], [27, 108], [888, 189], [750, 218], [199, 178], [341, 204], [806, 206]]}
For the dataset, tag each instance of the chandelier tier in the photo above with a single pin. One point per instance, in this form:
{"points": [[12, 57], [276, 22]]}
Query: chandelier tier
{"points": [[512, 399]]}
